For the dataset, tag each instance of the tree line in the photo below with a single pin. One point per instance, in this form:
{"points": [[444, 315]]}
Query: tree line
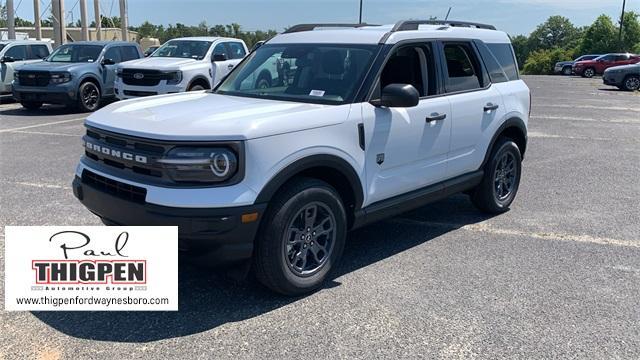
{"points": [[557, 39]]}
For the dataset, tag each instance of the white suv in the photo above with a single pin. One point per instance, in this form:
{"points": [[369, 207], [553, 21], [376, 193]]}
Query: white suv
{"points": [[366, 123], [184, 64], [14, 53]]}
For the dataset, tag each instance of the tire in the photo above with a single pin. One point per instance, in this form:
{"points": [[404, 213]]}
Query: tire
{"points": [[631, 83], [196, 87], [287, 264], [589, 73], [264, 82], [31, 105], [500, 183], [566, 70], [89, 97]]}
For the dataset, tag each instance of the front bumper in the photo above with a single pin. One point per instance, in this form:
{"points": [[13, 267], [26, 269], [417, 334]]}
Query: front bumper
{"points": [[211, 236], [613, 79], [53, 94], [124, 91]]}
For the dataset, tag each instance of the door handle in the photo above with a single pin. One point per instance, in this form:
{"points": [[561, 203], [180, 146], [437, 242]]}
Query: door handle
{"points": [[436, 117], [491, 106]]}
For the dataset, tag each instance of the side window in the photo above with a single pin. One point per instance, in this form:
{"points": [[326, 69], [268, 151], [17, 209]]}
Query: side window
{"points": [[237, 50], [504, 54], [462, 67], [113, 53], [18, 52], [39, 51], [622, 57], [496, 72], [220, 49], [129, 53], [411, 64]]}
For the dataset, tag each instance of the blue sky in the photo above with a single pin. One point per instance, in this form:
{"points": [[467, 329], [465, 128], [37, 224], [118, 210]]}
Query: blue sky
{"points": [[513, 16]]}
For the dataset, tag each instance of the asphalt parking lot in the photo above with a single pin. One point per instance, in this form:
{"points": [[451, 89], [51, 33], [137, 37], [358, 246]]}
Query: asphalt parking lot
{"points": [[557, 276]]}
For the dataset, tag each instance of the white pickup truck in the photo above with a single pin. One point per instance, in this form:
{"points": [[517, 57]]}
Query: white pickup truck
{"points": [[184, 64], [14, 53]]}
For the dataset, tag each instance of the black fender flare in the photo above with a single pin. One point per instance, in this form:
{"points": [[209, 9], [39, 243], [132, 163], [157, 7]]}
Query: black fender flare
{"points": [[514, 122], [198, 78], [309, 162]]}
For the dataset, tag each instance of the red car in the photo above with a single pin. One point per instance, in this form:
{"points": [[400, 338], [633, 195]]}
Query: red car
{"points": [[589, 68]]}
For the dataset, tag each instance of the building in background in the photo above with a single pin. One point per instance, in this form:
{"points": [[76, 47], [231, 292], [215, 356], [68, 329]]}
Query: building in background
{"points": [[74, 33]]}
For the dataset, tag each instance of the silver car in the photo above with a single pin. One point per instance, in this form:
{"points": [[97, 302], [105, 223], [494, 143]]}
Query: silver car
{"points": [[625, 77]]}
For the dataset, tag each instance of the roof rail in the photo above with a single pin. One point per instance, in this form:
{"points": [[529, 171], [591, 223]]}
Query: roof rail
{"points": [[406, 25], [311, 27]]}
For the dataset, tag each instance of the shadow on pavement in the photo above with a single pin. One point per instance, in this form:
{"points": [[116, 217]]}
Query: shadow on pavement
{"points": [[207, 301]]}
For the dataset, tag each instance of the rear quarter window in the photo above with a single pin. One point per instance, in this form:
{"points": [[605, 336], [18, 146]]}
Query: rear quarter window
{"points": [[504, 55]]}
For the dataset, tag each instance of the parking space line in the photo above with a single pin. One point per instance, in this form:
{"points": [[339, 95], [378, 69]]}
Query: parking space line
{"points": [[39, 125], [533, 134], [38, 185], [569, 118], [44, 133], [587, 107], [485, 227]]}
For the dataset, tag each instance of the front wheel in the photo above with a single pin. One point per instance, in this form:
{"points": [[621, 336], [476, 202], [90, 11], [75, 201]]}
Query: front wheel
{"points": [[89, 99], [631, 83], [589, 73], [501, 178], [302, 237], [196, 87], [566, 70]]}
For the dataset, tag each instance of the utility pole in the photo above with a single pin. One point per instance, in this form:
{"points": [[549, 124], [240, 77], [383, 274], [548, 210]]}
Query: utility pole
{"points": [[360, 18], [36, 19], [55, 12], [624, 3], [11, 20], [84, 29], [124, 23], [96, 10]]}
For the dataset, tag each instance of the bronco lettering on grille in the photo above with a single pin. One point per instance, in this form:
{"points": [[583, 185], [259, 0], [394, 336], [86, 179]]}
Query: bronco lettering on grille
{"points": [[118, 154]]}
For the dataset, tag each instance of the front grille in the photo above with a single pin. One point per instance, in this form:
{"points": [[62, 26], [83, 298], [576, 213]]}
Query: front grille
{"points": [[139, 93], [113, 187], [34, 78], [149, 77]]}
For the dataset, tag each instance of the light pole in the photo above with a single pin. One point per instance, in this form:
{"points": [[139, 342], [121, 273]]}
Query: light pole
{"points": [[624, 2], [360, 18]]}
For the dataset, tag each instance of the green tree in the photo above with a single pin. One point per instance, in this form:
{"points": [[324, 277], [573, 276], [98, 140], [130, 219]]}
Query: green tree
{"points": [[630, 31], [521, 48], [557, 31], [600, 37], [542, 62]]}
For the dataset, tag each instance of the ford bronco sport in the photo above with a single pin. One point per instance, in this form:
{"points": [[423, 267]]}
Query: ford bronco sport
{"points": [[366, 123]]}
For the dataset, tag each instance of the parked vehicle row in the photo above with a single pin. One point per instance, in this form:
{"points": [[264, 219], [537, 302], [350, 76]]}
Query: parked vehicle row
{"points": [[617, 69], [86, 74]]}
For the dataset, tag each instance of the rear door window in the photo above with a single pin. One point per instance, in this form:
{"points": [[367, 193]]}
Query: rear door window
{"points": [[463, 70], [496, 72]]}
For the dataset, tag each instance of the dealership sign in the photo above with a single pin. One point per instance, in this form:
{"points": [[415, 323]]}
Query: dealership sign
{"points": [[91, 268]]}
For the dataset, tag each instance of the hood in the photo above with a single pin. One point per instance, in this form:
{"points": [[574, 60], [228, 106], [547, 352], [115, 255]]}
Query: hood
{"points": [[54, 66], [206, 116], [162, 63], [585, 62], [565, 63], [630, 67]]}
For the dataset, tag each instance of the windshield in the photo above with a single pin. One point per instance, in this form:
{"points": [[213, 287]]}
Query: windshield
{"points": [[190, 49], [316, 73], [1, 47], [75, 53]]}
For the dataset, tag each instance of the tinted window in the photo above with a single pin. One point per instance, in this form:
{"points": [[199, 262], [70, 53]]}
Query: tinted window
{"points": [[462, 67], [412, 64], [237, 50], [113, 53], [129, 53], [1, 47], [18, 52], [496, 72], [220, 49], [504, 55], [39, 52], [621, 57]]}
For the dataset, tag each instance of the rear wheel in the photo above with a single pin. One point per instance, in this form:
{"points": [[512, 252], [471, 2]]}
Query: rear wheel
{"points": [[589, 73], [302, 237], [89, 97], [31, 105], [631, 83], [501, 178]]}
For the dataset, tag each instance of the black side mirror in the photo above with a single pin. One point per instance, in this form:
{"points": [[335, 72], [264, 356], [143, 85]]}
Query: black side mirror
{"points": [[107, 61], [7, 59], [397, 95], [220, 57]]}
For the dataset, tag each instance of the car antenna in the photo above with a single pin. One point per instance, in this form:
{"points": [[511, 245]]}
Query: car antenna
{"points": [[448, 12]]}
